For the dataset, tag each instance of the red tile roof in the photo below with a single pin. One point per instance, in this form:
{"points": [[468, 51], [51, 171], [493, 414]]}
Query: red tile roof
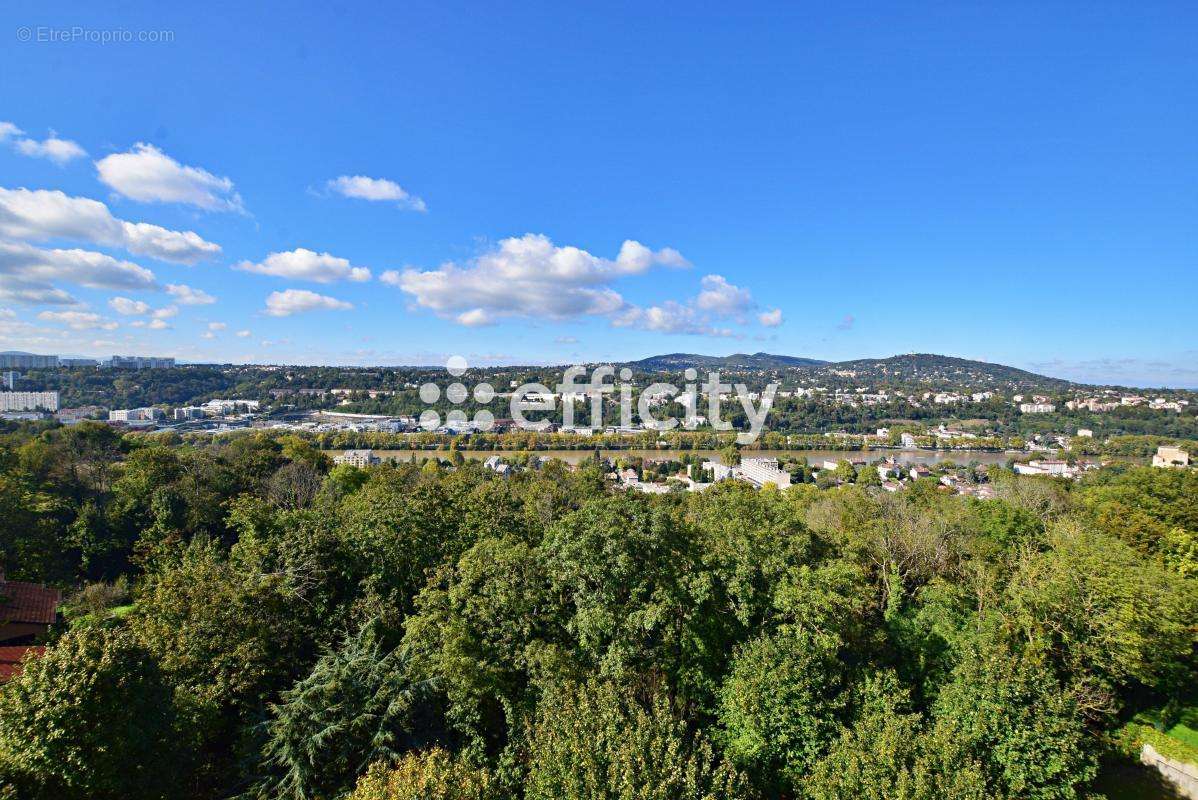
{"points": [[10, 660], [28, 602]]}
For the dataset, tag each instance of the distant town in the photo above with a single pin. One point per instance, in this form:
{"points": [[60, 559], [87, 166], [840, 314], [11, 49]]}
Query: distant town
{"points": [[915, 419]]}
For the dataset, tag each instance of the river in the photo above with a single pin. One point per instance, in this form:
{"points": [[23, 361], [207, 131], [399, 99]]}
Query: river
{"points": [[813, 456]]}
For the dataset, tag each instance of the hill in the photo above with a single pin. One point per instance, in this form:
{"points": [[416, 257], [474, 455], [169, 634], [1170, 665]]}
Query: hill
{"points": [[676, 361], [912, 369], [931, 368]]}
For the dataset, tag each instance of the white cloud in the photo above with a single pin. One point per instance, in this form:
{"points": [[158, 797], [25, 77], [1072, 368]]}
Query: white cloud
{"points": [[217, 326], [78, 320], [148, 175], [181, 247], [528, 276], [207, 335], [298, 301], [130, 308], [166, 312], [27, 273], [721, 297], [717, 300], [38, 215], [189, 296], [635, 257], [375, 189], [158, 325], [35, 295], [60, 151], [770, 319], [8, 130], [244, 334], [307, 265], [669, 317]]}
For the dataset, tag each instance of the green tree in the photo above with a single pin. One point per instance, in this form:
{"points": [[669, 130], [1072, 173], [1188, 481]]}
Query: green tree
{"points": [[430, 775], [602, 742], [778, 707], [90, 719], [1008, 713], [355, 708]]}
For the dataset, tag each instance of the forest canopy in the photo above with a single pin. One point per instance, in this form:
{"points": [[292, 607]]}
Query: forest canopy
{"points": [[245, 619]]}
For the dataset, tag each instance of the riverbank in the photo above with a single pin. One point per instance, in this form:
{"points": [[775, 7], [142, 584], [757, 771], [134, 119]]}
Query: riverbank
{"points": [[813, 457]]}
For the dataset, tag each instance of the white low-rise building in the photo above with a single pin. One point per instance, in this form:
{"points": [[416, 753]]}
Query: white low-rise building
{"points": [[1055, 468], [133, 416], [1170, 457], [1037, 408]]}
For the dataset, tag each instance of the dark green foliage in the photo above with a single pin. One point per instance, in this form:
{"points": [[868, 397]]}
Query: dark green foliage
{"points": [[90, 720], [303, 632], [355, 708], [600, 741]]}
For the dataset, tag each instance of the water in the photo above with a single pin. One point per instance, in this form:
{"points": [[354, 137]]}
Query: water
{"points": [[815, 457]]}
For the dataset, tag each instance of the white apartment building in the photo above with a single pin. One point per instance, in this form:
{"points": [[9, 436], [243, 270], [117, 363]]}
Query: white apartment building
{"points": [[140, 362], [11, 359], [357, 458], [28, 401], [136, 415], [189, 412], [760, 471], [219, 408]]}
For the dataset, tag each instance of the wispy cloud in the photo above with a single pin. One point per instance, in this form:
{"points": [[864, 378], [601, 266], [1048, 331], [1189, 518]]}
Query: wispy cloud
{"points": [[299, 301], [376, 190], [307, 265]]}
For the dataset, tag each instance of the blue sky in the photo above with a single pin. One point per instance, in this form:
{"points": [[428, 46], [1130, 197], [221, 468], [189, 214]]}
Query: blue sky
{"points": [[1016, 182]]}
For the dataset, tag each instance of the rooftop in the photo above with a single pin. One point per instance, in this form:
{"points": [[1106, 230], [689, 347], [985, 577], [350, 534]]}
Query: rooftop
{"points": [[10, 660], [28, 602]]}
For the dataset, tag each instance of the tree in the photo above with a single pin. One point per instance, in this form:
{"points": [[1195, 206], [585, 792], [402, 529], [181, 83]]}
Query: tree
{"points": [[90, 719], [355, 708], [430, 775], [885, 752], [1083, 597], [627, 570], [481, 630], [730, 455], [1007, 713], [597, 741], [228, 635], [778, 708], [295, 485]]}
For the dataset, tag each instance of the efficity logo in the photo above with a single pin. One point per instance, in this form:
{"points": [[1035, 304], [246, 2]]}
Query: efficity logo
{"points": [[646, 409]]}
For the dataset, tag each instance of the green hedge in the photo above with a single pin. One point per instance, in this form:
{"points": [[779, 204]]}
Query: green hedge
{"points": [[1135, 734]]}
